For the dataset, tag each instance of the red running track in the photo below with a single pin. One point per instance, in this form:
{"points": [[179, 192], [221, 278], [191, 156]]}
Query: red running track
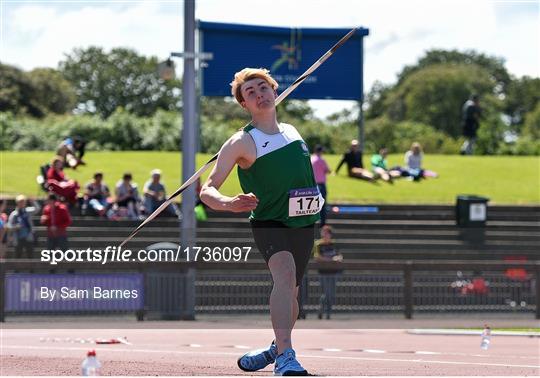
{"points": [[344, 352]]}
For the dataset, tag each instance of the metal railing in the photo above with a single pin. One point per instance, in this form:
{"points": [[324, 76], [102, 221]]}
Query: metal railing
{"points": [[364, 291], [181, 290]]}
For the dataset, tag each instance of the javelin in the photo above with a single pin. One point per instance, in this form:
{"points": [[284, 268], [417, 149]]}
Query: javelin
{"points": [[280, 98]]}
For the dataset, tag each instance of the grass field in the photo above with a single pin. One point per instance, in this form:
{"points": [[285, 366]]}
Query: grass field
{"points": [[503, 179]]}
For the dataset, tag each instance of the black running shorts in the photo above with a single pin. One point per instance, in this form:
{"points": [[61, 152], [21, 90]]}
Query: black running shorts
{"points": [[273, 236]]}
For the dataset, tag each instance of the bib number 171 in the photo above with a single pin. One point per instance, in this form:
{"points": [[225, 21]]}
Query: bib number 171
{"points": [[306, 201]]}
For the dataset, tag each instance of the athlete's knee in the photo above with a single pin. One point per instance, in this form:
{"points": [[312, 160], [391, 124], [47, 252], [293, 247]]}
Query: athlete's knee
{"points": [[283, 270]]}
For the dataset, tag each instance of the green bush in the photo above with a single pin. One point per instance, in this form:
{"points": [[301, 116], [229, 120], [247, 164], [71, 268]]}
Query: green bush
{"points": [[379, 132], [91, 128], [215, 133], [121, 131], [124, 131], [25, 133], [317, 132], [532, 123], [398, 137], [162, 132], [432, 141], [527, 145], [490, 135]]}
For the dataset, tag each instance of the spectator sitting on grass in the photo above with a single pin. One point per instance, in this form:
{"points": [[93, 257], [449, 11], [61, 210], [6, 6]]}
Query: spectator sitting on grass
{"points": [[58, 183], [379, 166], [72, 150], [154, 195], [96, 195], [127, 196], [355, 167], [413, 164], [57, 219]]}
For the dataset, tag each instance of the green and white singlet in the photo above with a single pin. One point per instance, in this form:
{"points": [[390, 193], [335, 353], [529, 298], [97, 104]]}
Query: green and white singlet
{"points": [[282, 178]]}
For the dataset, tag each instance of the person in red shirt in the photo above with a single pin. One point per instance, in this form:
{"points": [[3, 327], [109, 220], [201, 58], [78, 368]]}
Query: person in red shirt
{"points": [[478, 285], [57, 219], [59, 184]]}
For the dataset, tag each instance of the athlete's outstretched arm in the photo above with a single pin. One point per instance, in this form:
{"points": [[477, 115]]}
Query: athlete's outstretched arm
{"points": [[231, 152]]}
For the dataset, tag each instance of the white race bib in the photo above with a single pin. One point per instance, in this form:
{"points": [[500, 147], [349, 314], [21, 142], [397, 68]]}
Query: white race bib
{"points": [[306, 201]]}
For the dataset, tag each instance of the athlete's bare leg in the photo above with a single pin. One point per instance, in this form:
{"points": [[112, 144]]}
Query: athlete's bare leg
{"points": [[283, 299]]}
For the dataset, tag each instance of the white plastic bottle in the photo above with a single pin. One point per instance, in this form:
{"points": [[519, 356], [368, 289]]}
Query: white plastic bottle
{"points": [[91, 365], [486, 336]]}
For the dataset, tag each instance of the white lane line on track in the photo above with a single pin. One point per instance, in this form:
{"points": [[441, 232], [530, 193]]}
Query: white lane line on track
{"points": [[463, 332], [373, 351], [426, 352], [195, 345], [332, 350], [123, 350], [419, 361], [241, 347]]}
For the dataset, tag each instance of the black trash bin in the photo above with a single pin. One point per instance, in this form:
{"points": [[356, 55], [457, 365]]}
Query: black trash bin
{"points": [[471, 211]]}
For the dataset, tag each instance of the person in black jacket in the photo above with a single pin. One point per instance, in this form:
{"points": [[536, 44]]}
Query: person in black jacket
{"points": [[355, 167], [471, 121]]}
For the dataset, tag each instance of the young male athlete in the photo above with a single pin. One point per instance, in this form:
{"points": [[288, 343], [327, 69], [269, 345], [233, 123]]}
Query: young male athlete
{"points": [[275, 173]]}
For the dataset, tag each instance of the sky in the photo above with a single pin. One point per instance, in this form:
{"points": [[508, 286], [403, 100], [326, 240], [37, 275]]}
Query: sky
{"points": [[39, 33]]}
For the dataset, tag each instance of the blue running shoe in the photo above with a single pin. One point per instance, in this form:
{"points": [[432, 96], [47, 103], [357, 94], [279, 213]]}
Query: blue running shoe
{"points": [[287, 365], [258, 359]]}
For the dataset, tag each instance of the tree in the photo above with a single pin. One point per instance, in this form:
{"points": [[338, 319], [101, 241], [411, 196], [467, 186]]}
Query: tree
{"points": [[344, 116], [226, 108], [52, 91], [490, 134], [532, 123], [222, 109], [295, 110], [398, 137], [375, 99], [120, 78], [492, 65], [17, 93], [35, 93], [523, 96], [124, 131], [528, 142], [434, 95]]}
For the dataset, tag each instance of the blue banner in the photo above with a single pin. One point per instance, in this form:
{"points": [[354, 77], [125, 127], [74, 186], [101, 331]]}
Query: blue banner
{"points": [[287, 53], [74, 292]]}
